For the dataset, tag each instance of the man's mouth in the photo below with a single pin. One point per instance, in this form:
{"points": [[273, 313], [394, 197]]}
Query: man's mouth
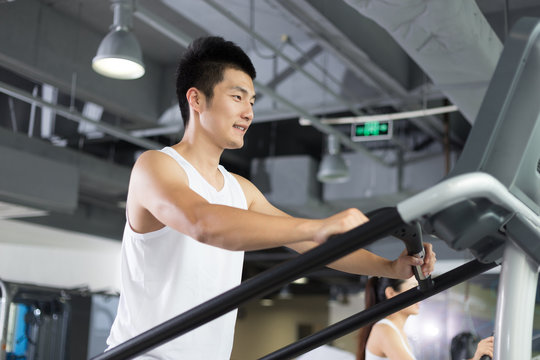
{"points": [[239, 127]]}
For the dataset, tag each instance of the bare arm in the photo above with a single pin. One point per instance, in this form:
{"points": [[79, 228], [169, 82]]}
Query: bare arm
{"points": [[359, 262], [159, 195]]}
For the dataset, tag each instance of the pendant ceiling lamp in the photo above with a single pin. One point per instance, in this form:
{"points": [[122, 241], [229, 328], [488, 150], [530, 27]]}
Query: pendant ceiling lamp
{"points": [[119, 55]]}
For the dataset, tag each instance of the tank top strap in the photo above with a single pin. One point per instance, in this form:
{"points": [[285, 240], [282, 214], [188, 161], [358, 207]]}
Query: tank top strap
{"points": [[188, 168]]}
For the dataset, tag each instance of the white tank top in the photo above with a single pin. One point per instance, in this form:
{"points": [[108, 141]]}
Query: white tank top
{"points": [[165, 273], [370, 356]]}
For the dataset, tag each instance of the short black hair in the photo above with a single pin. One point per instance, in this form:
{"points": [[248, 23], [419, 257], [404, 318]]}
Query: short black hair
{"points": [[202, 66]]}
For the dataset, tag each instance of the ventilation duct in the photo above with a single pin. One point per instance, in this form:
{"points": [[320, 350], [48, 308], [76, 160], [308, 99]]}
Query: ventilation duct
{"points": [[450, 40]]}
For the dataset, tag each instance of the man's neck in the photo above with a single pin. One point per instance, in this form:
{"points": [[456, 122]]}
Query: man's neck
{"points": [[204, 160]]}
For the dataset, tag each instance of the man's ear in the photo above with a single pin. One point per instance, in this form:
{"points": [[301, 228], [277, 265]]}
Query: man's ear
{"points": [[194, 98]]}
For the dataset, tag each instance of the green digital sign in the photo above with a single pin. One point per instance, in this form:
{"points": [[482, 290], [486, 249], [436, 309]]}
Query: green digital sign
{"points": [[373, 130]]}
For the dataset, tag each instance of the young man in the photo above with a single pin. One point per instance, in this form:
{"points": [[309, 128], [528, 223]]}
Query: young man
{"points": [[189, 220]]}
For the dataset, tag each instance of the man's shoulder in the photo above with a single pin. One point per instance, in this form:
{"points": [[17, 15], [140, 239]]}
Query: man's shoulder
{"points": [[240, 178], [155, 164], [244, 183], [152, 158]]}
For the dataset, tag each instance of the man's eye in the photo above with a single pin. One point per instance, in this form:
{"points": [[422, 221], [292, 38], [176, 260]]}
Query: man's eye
{"points": [[237, 97]]}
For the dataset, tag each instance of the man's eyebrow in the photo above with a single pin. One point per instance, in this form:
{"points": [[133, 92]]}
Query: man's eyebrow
{"points": [[243, 90]]}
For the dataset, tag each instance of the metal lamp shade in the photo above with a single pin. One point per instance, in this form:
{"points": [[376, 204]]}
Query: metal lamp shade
{"points": [[119, 56], [333, 169]]}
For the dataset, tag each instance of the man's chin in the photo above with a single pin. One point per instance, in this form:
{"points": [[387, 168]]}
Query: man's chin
{"points": [[235, 146]]}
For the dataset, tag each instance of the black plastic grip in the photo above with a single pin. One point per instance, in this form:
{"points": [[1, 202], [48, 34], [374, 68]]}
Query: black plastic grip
{"points": [[411, 235]]}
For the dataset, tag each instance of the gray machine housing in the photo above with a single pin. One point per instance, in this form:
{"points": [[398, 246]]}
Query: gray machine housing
{"points": [[505, 143]]}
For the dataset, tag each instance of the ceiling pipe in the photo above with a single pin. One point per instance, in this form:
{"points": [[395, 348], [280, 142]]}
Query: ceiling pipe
{"points": [[336, 42], [229, 15], [77, 117], [106, 128], [162, 26]]}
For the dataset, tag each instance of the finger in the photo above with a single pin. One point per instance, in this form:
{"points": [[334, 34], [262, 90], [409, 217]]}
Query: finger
{"points": [[429, 264], [429, 251], [363, 217], [428, 269], [357, 215], [414, 261]]}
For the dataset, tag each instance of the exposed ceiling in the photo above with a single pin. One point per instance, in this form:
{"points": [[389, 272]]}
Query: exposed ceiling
{"points": [[315, 59]]}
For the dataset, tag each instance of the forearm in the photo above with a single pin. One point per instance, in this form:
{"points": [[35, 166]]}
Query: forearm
{"points": [[364, 262], [361, 262], [237, 229]]}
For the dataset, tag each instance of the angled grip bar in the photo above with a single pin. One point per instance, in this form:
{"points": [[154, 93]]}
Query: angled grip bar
{"points": [[411, 235]]}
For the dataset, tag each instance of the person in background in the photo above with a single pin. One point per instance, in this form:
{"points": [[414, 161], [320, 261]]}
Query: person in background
{"points": [[465, 346], [386, 339]]}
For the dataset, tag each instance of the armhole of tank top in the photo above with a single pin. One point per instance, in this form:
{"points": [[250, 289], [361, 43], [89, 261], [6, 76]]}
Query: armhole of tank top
{"points": [[128, 221], [147, 235]]}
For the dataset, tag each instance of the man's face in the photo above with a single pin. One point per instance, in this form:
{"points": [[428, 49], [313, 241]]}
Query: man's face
{"points": [[230, 112]]}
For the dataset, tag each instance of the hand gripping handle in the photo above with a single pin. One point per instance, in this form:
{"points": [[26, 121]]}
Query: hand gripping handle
{"points": [[411, 235], [486, 357]]}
